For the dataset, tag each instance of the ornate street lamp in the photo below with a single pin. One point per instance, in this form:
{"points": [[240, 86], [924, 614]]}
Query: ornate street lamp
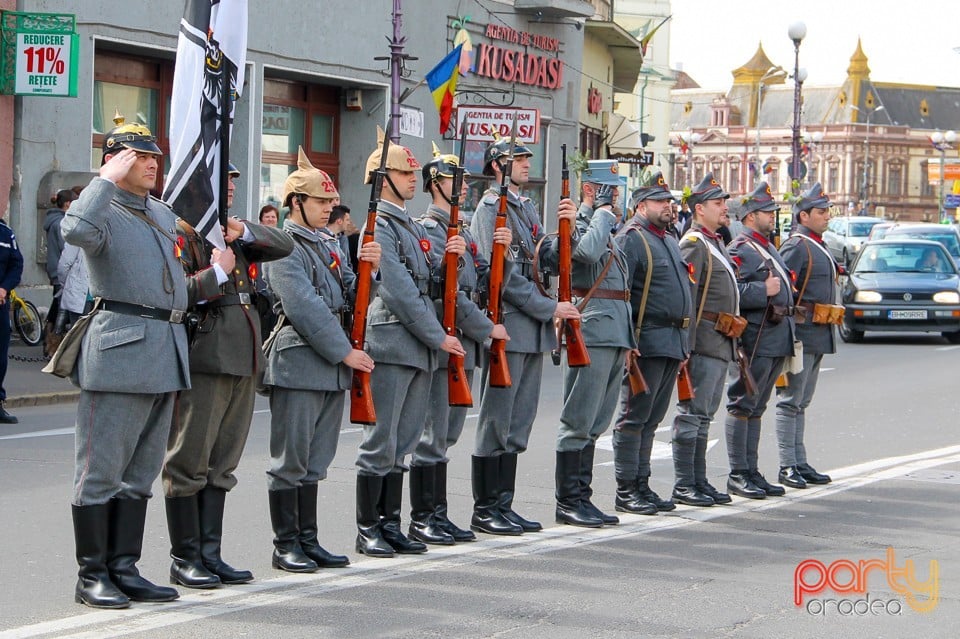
{"points": [[797, 32], [942, 142], [865, 185]]}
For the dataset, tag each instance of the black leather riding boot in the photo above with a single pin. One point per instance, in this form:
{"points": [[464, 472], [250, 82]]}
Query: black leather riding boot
{"points": [[570, 509], [586, 486], [508, 483], [440, 512], [307, 514], [91, 531], [211, 502], [486, 491], [127, 519], [183, 524], [423, 527], [284, 516], [370, 539], [391, 502]]}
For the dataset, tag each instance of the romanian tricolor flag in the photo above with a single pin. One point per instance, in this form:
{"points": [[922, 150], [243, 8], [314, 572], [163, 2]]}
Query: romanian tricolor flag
{"points": [[442, 80]]}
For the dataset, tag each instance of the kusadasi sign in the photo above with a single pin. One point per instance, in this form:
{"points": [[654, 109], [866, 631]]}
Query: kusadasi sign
{"points": [[525, 67], [813, 581]]}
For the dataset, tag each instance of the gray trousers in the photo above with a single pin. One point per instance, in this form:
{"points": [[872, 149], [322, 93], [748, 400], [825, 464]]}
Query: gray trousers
{"points": [[208, 434], [400, 397], [589, 398], [745, 412], [507, 414], [709, 376], [792, 405], [640, 415], [444, 422], [120, 442], [304, 430]]}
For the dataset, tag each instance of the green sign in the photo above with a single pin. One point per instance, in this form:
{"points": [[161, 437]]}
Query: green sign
{"points": [[39, 54]]}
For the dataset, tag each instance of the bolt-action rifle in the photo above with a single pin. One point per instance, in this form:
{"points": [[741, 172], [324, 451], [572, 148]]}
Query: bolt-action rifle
{"points": [[361, 395], [577, 353], [458, 388]]}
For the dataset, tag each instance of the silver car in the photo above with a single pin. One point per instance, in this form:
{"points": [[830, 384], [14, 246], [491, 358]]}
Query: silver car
{"points": [[845, 235]]}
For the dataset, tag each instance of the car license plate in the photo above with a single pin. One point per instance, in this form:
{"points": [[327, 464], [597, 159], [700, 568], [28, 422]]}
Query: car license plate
{"points": [[907, 315]]}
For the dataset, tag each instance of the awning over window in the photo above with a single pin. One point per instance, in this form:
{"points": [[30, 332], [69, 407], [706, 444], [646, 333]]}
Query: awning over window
{"points": [[623, 139]]}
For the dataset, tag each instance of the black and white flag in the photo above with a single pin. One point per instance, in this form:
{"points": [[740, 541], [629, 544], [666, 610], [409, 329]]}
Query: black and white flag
{"points": [[213, 42]]}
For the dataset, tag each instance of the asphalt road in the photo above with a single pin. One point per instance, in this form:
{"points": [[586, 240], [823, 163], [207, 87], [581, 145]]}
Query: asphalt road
{"points": [[884, 424]]}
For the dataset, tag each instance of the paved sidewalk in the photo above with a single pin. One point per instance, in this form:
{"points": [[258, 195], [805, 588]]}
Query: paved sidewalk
{"points": [[27, 385]]}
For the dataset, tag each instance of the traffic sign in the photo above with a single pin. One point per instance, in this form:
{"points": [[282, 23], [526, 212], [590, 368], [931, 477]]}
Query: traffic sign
{"points": [[951, 201], [803, 171]]}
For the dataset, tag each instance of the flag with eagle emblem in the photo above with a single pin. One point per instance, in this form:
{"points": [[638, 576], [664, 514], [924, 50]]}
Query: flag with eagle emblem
{"points": [[212, 46]]}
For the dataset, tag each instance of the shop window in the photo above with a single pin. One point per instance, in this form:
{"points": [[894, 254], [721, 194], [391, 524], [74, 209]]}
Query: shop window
{"points": [[297, 114], [478, 183], [140, 88]]}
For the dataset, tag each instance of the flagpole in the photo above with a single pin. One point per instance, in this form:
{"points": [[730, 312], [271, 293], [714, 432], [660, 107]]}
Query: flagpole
{"points": [[396, 65], [226, 105]]}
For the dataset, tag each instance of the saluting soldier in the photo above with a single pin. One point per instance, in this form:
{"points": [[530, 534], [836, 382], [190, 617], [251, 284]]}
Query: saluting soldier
{"points": [[599, 280], [132, 362], [309, 363], [429, 521], [660, 319], [212, 420], [714, 295], [816, 285], [767, 303], [507, 414], [404, 337]]}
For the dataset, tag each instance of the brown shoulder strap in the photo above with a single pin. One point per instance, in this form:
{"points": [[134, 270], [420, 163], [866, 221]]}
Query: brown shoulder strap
{"points": [[706, 284], [646, 282], [806, 278], [606, 269]]}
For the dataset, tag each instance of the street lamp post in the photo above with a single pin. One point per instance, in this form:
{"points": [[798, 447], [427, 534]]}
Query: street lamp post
{"points": [[797, 32], [942, 142], [865, 186], [771, 72]]}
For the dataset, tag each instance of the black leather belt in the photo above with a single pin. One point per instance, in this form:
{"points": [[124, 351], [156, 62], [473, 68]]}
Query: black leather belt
{"points": [[150, 312], [234, 299], [660, 322]]}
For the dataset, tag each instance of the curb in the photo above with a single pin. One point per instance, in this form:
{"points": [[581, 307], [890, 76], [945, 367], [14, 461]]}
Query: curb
{"points": [[42, 399]]}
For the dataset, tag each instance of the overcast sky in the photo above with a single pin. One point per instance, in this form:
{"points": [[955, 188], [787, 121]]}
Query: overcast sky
{"points": [[911, 42]]}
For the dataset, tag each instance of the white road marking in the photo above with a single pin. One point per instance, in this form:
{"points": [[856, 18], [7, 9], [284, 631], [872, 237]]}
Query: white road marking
{"points": [[196, 606], [826, 370], [948, 348], [42, 433]]}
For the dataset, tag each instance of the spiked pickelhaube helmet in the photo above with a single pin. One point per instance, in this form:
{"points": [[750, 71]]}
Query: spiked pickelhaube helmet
{"points": [[442, 165], [500, 148], [129, 136], [399, 158]]}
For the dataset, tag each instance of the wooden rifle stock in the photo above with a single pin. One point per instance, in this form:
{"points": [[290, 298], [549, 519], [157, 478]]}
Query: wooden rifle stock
{"points": [[638, 383], [499, 373], [458, 389], [362, 410], [577, 353], [684, 384], [743, 363]]}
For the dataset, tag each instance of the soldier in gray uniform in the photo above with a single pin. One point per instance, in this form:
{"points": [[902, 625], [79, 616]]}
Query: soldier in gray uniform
{"points": [[590, 392], [429, 521], [660, 319], [212, 419], [816, 283], [713, 292], [132, 362], [309, 364], [404, 337], [767, 303], [507, 414]]}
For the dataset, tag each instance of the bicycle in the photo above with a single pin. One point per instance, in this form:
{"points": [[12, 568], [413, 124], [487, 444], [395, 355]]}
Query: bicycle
{"points": [[26, 319]]}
